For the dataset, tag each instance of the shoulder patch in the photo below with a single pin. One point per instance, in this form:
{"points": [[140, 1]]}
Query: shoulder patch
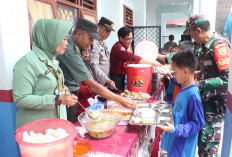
{"points": [[221, 48], [222, 56], [122, 49]]}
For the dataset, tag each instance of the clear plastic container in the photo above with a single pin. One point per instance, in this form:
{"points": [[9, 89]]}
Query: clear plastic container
{"points": [[100, 128], [59, 148]]}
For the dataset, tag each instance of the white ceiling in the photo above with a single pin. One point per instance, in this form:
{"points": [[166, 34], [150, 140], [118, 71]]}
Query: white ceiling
{"points": [[171, 2], [172, 6]]}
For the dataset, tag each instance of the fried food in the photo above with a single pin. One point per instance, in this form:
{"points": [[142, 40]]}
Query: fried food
{"points": [[123, 114], [134, 95]]}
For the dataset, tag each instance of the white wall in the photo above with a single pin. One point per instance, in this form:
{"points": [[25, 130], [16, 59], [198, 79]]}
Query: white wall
{"points": [[140, 13], [129, 3], [208, 8], [196, 7], [113, 10], [14, 38], [151, 13], [14, 43], [167, 16], [164, 13]]}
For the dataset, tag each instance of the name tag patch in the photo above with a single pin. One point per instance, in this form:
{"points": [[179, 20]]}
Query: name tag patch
{"points": [[48, 71]]}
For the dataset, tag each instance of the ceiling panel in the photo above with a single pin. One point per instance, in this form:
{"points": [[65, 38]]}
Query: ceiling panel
{"points": [[171, 2]]}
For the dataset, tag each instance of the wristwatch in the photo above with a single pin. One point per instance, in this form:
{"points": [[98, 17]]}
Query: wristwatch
{"points": [[57, 100]]}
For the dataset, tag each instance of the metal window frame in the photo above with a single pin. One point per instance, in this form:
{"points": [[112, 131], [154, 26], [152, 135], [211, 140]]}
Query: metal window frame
{"points": [[145, 27]]}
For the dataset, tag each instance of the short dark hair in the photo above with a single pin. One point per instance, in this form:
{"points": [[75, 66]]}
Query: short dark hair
{"points": [[171, 37], [185, 59], [203, 25], [124, 31], [186, 46]]}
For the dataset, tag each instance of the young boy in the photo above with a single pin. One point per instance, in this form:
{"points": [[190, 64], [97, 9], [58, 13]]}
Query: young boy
{"points": [[180, 139], [174, 87]]}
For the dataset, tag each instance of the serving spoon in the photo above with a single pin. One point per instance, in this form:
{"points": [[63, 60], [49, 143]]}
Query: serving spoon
{"points": [[91, 116]]}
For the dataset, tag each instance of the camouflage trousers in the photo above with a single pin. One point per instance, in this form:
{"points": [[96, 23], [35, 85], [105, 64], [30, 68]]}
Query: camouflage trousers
{"points": [[210, 135]]}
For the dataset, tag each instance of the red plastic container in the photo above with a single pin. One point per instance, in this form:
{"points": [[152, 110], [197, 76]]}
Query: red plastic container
{"points": [[139, 77], [59, 148]]}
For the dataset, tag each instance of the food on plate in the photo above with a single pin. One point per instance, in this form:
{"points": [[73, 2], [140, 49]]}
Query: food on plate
{"points": [[139, 120], [136, 119], [134, 95], [164, 69], [123, 114], [144, 105], [118, 104], [148, 121], [139, 105], [50, 136], [145, 112]]}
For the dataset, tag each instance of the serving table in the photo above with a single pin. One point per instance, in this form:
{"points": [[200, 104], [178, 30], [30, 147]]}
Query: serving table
{"points": [[127, 141], [121, 143]]}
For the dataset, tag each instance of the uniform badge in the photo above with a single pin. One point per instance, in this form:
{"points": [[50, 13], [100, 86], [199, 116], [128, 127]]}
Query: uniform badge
{"points": [[221, 48], [222, 51], [122, 49]]}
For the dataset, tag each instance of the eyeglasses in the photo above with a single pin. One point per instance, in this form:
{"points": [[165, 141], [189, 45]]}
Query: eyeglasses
{"points": [[127, 39], [86, 51]]}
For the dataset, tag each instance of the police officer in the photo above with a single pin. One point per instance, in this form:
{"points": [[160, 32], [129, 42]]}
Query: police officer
{"points": [[74, 68], [100, 56], [213, 64]]}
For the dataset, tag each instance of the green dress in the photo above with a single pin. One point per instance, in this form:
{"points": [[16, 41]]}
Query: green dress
{"points": [[34, 84]]}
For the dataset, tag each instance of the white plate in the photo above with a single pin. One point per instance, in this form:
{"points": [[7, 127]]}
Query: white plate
{"points": [[147, 49]]}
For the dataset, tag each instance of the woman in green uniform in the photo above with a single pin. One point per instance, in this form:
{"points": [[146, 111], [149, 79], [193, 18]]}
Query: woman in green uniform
{"points": [[38, 83]]}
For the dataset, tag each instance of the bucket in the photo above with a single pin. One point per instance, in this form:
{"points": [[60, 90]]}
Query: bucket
{"points": [[59, 148], [139, 78]]}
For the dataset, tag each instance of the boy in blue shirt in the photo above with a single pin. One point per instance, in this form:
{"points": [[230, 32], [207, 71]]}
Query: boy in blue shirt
{"points": [[180, 139]]}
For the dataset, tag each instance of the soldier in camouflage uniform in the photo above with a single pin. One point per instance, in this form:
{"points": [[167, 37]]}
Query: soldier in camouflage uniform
{"points": [[213, 63]]}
